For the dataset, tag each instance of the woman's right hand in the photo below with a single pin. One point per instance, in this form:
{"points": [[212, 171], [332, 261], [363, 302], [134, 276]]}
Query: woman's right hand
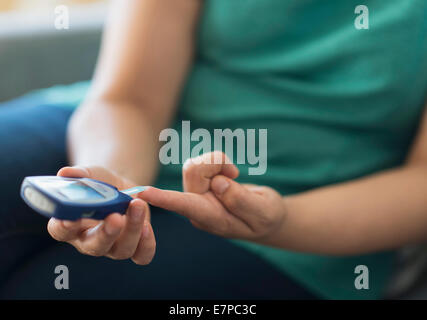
{"points": [[118, 237]]}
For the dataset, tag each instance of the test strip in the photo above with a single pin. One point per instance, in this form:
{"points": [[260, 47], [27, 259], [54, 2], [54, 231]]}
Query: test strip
{"points": [[133, 190]]}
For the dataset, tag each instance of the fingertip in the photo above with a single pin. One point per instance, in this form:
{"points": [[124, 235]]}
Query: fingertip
{"points": [[61, 172], [62, 231], [77, 172], [136, 212], [51, 223], [236, 170], [65, 225], [149, 188], [137, 202], [231, 171], [147, 193]]}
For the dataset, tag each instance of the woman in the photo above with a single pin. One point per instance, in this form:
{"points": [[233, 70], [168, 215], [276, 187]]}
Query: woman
{"points": [[346, 163]]}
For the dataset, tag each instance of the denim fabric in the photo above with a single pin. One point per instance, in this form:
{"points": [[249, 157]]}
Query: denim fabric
{"points": [[189, 263]]}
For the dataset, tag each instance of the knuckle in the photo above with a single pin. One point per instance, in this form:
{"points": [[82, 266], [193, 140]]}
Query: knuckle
{"points": [[233, 205], [265, 221], [92, 170], [87, 169]]}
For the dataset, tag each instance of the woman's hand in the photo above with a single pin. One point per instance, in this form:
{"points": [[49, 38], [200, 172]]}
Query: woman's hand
{"points": [[117, 236], [215, 203]]}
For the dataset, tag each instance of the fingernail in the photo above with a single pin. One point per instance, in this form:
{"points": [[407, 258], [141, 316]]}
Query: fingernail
{"points": [[136, 213], [111, 230], [220, 185], [145, 230]]}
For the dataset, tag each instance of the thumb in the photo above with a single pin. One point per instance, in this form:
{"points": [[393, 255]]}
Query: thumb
{"points": [[235, 197], [197, 172], [92, 172], [74, 172]]}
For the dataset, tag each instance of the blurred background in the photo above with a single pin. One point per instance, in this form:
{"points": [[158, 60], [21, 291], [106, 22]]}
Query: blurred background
{"points": [[7, 5], [34, 54]]}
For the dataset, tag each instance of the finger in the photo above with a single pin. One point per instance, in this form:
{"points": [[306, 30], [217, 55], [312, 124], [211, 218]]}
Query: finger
{"points": [[190, 205], [235, 197], [93, 172], [146, 247], [64, 230], [197, 172], [74, 172], [261, 190], [97, 241], [125, 246]]}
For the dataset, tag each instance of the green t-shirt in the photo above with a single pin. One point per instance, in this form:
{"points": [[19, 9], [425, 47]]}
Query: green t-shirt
{"points": [[338, 102]]}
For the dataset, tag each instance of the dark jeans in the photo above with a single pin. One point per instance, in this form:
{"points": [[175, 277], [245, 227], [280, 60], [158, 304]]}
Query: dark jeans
{"points": [[189, 264]]}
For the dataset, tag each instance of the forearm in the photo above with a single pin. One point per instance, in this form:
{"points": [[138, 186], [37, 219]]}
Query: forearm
{"points": [[146, 52], [378, 212], [117, 135]]}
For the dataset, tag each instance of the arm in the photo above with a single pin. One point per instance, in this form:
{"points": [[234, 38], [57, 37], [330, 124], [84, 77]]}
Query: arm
{"points": [[377, 212], [146, 51], [113, 136], [382, 211]]}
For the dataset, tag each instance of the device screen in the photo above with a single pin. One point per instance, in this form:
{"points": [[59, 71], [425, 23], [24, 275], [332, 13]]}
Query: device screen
{"points": [[73, 190]]}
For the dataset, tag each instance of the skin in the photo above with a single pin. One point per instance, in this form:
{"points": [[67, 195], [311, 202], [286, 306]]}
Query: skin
{"points": [[145, 55], [113, 137]]}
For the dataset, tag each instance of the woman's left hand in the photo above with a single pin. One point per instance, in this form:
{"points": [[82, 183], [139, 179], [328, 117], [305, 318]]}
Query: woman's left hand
{"points": [[214, 202]]}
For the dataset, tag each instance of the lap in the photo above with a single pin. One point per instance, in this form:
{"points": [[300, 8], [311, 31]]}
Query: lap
{"points": [[189, 264], [32, 142]]}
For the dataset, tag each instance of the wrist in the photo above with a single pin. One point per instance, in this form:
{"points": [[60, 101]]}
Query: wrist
{"points": [[274, 237]]}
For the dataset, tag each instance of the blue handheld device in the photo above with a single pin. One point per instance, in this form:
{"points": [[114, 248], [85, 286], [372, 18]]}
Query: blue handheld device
{"points": [[74, 198]]}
